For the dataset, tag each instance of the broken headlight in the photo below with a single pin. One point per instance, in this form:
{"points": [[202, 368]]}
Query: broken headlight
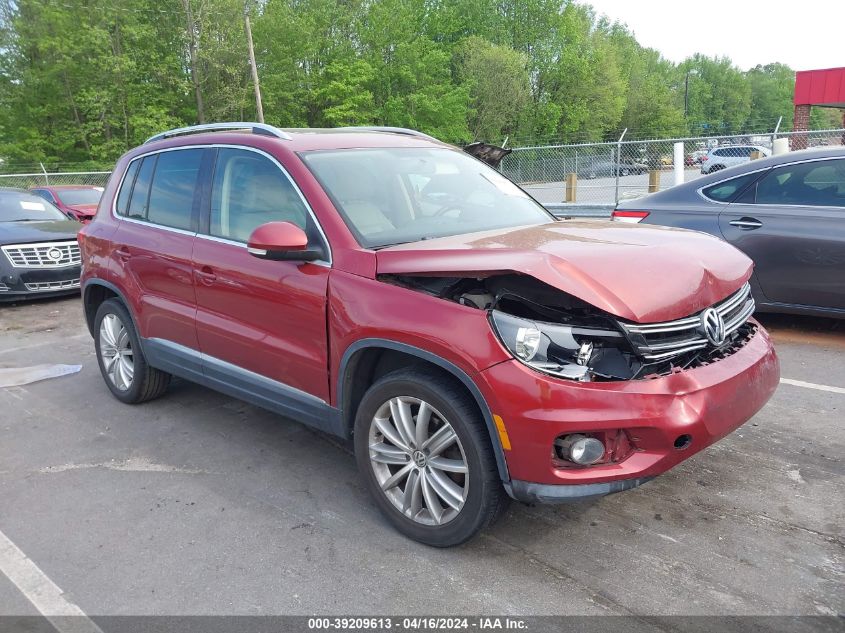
{"points": [[568, 351]]}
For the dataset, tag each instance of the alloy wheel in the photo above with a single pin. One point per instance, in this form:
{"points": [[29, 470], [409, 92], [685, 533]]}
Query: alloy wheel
{"points": [[116, 352], [418, 460]]}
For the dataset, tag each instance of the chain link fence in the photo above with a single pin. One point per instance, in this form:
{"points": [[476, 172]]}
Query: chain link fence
{"points": [[25, 181], [605, 173]]}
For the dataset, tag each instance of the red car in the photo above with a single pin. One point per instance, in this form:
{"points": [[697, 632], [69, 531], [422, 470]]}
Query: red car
{"points": [[377, 284], [78, 202]]}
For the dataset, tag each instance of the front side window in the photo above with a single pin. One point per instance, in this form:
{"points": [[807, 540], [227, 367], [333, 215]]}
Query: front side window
{"points": [[172, 192], [43, 193], [818, 184], [249, 190], [397, 195]]}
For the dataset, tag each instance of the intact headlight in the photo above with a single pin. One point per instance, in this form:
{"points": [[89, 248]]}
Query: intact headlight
{"points": [[560, 350]]}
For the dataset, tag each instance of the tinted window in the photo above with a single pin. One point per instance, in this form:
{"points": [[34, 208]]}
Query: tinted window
{"points": [[728, 190], [250, 190], [43, 194], [172, 194], [820, 183], [126, 187], [141, 191]]}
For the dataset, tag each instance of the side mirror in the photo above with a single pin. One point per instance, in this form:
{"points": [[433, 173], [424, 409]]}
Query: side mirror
{"points": [[282, 241]]}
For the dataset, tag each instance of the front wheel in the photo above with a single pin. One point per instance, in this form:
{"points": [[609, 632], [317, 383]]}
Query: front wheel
{"points": [[423, 449]]}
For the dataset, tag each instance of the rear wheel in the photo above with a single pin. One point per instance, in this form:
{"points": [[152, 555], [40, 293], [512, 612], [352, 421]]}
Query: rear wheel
{"points": [[716, 168], [121, 360], [423, 449]]}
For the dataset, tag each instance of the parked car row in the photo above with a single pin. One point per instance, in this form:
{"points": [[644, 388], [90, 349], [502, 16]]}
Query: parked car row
{"points": [[384, 287]]}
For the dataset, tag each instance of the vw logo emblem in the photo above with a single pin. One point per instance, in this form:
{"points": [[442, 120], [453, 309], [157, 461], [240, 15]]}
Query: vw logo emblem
{"points": [[419, 459], [55, 254], [713, 327]]}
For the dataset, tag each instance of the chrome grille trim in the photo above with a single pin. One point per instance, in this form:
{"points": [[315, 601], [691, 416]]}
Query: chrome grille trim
{"points": [[684, 334], [44, 286], [37, 255]]}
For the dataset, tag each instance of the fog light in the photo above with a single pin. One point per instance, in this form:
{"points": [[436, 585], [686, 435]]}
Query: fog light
{"points": [[580, 449]]}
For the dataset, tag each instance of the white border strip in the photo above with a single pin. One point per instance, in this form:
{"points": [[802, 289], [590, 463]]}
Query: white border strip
{"points": [[811, 385], [42, 592]]}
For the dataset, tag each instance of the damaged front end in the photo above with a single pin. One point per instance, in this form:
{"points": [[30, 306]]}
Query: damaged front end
{"points": [[555, 333]]}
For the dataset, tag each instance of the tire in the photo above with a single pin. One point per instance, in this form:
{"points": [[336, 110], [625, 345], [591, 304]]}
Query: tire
{"points": [[476, 496], [716, 168], [624, 172], [128, 375]]}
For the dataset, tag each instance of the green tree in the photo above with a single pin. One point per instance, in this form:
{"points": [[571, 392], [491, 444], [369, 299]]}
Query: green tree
{"points": [[499, 87]]}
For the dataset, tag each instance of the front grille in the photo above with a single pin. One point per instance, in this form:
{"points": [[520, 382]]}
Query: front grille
{"points": [[53, 285], [656, 342], [44, 254]]}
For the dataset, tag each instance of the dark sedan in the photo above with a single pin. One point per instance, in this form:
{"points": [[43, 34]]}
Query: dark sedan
{"points": [[39, 254], [786, 212]]}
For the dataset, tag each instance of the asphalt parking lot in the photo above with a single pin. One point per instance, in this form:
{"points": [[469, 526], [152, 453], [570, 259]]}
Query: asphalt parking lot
{"points": [[199, 504]]}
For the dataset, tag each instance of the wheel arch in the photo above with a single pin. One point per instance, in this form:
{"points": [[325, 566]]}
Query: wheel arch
{"points": [[97, 291], [366, 359]]}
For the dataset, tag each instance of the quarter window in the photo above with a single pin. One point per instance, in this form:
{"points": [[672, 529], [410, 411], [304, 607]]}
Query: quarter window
{"points": [[728, 190], [172, 194], [250, 190], [815, 184], [126, 187], [141, 191]]}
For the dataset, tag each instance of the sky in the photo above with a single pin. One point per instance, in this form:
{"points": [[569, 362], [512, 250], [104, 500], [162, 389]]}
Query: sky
{"points": [[804, 34]]}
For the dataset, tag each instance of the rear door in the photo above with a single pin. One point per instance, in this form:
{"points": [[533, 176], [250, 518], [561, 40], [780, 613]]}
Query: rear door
{"points": [[153, 243], [791, 222]]}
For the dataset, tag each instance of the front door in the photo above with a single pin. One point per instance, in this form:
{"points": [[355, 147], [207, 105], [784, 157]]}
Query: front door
{"points": [[792, 224], [259, 320]]}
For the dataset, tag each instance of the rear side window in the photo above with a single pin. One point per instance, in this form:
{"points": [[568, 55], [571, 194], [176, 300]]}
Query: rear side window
{"points": [[172, 197], [250, 190], [728, 190], [141, 190], [815, 184]]}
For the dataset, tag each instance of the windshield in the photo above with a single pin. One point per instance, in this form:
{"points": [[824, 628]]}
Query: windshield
{"points": [[16, 206], [80, 196], [398, 195]]}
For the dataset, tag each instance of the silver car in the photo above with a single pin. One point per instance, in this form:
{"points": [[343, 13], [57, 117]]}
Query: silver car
{"points": [[729, 155]]}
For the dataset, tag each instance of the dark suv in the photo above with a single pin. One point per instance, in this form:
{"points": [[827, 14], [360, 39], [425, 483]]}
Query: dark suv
{"points": [[377, 284]]}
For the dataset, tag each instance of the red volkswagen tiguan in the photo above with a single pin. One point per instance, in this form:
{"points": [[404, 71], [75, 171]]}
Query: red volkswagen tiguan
{"points": [[377, 284]]}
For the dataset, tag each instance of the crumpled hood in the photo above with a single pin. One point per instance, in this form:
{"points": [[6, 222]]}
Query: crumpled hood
{"points": [[636, 272], [87, 209]]}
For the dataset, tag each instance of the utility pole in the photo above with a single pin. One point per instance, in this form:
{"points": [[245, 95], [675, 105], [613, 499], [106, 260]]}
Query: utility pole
{"points": [[259, 110]]}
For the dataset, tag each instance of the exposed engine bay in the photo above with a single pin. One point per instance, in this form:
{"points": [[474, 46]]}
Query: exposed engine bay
{"points": [[558, 334]]}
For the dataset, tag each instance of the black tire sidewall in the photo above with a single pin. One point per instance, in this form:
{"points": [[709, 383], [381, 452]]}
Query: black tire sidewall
{"points": [[133, 394], [473, 515]]}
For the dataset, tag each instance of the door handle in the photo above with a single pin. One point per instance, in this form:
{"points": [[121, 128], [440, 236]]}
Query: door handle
{"points": [[122, 253], [746, 223], [206, 275]]}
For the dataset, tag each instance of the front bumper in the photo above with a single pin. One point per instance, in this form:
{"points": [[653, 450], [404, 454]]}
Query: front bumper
{"points": [[705, 403], [30, 283]]}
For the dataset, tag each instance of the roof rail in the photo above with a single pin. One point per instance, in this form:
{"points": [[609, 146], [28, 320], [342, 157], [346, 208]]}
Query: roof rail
{"points": [[383, 128], [255, 128]]}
